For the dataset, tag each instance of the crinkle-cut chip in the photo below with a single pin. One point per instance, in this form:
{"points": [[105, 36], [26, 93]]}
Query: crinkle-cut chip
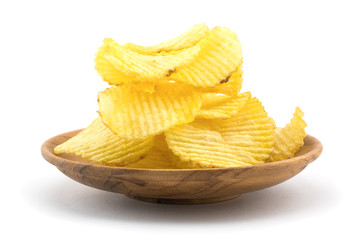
{"points": [[251, 130], [290, 138], [220, 55], [118, 65], [99, 144], [231, 85], [159, 157], [221, 106], [106, 70], [137, 67], [185, 40], [198, 146], [206, 64], [133, 114], [231, 88]]}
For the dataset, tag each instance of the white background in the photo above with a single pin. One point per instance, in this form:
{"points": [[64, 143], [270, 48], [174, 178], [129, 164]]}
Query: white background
{"points": [[303, 53]]}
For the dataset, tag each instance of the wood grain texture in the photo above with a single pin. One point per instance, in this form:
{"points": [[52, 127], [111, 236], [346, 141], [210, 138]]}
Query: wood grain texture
{"points": [[179, 186]]}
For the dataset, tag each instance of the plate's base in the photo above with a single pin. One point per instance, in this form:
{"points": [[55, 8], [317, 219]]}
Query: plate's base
{"points": [[184, 201]]}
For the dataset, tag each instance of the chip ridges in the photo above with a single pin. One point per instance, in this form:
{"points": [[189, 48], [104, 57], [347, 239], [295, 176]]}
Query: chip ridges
{"points": [[105, 69], [198, 146], [289, 139], [159, 156], [220, 55], [220, 106], [136, 114], [250, 130], [137, 67], [208, 63], [231, 85], [99, 144]]}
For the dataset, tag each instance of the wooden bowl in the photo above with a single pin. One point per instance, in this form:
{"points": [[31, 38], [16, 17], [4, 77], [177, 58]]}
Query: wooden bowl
{"points": [[179, 186]]}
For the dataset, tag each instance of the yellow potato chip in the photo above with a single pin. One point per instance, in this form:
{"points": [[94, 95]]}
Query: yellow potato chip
{"points": [[221, 106], [208, 63], [106, 70], [290, 138], [198, 146], [136, 114], [137, 67], [219, 57], [159, 157], [251, 130], [230, 86], [99, 144], [185, 40]]}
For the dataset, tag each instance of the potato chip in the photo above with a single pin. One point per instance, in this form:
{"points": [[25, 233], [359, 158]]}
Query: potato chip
{"points": [[136, 67], [219, 57], [230, 86], [185, 40], [198, 146], [206, 64], [290, 138], [221, 106], [106, 70], [159, 157], [136, 114], [251, 130], [99, 144]]}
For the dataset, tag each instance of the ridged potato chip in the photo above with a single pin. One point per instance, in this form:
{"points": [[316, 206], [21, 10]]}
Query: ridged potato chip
{"points": [[198, 146], [250, 130], [134, 67], [208, 63], [185, 40], [230, 86], [219, 57], [221, 106], [99, 144], [159, 157], [106, 70], [135, 114], [290, 138]]}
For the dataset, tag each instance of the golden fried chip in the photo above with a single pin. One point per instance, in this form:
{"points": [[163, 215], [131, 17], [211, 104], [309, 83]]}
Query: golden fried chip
{"points": [[185, 40], [136, 114], [221, 106], [99, 144], [219, 57], [106, 70], [206, 64], [230, 86], [137, 67], [159, 157], [290, 138], [198, 146], [251, 130]]}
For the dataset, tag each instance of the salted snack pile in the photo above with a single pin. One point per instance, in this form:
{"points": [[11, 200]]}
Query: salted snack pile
{"points": [[178, 104]]}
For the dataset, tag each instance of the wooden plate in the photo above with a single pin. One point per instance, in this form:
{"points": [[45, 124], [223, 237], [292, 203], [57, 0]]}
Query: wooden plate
{"points": [[180, 186]]}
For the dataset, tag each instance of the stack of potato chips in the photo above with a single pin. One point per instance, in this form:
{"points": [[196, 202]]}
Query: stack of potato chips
{"points": [[179, 104]]}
